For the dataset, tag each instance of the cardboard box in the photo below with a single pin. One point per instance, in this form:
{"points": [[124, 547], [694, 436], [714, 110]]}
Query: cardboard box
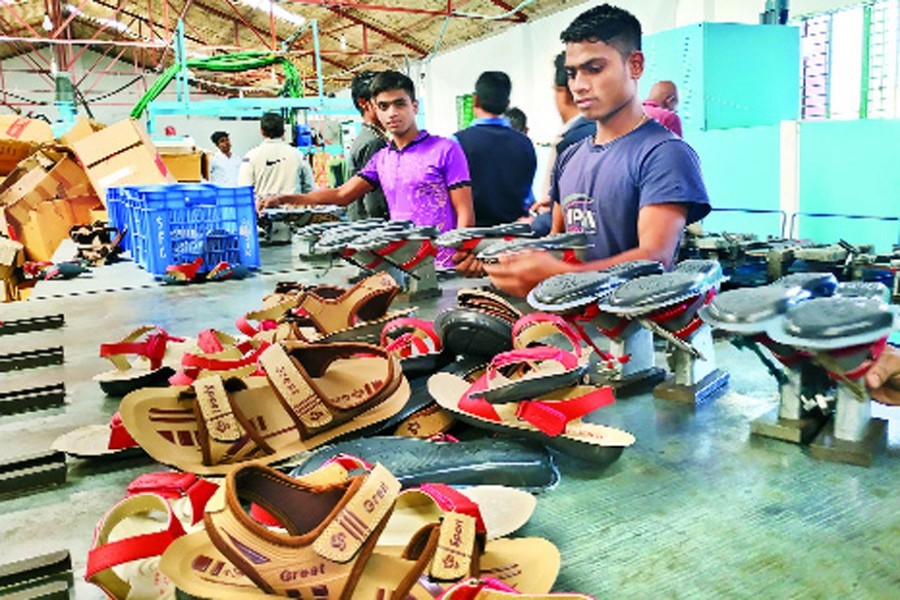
{"points": [[82, 128], [12, 256], [46, 226], [121, 154], [13, 127], [84, 209], [12, 152], [37, 180], [187, 167]]}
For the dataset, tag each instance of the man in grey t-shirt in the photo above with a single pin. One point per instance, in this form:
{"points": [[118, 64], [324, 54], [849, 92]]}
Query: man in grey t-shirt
{"points": [[371, 139], [634, 185]]}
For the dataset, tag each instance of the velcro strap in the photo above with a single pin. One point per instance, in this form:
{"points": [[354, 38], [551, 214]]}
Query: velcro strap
{"points": [[348, 531], [456, 544], [215, 407], [294, 388], [452, 500], [551, 416]]}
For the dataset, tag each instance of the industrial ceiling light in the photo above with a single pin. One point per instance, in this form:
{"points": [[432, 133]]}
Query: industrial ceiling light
{"points": [[47, 24], [279, 13], [343, 43]]}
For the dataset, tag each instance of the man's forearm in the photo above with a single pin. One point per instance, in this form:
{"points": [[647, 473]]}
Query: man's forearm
{"points": [[314, 198]]}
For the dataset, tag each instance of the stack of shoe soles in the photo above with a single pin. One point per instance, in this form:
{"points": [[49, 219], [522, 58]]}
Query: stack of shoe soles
{"points": [[476, 239], [668, 303], [810, 317], [569, 247], [399, 244]]}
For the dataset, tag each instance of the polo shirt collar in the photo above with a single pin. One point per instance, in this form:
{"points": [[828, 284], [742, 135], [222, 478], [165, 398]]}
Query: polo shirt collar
{"points": [[422, 135], [501, 121]]}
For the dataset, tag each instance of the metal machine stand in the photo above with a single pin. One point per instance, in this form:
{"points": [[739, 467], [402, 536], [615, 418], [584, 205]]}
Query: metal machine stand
{"points": [[638, 373], [852, 436], [695, 380], [792, 421]]}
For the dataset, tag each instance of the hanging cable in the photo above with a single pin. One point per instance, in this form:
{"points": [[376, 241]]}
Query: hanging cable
{"points": [[505, 15], [227, 63]]}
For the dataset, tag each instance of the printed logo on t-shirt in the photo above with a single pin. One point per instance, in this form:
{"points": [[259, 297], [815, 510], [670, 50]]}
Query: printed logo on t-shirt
{"points": [[578, 210]]}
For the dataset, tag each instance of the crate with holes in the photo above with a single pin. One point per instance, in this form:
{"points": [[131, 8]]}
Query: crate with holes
{"points": [[187, 224]]}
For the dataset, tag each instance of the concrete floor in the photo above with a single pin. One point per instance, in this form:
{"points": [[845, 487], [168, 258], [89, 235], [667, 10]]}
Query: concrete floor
{"points": [[695, 509]]}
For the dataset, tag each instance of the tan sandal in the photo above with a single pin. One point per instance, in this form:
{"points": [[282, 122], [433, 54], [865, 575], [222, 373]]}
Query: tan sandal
{"points": [[325, 544], [309, 395]]}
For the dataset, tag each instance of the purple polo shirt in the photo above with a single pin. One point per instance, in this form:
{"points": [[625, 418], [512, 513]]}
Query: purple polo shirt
{"points": [[668, 118], [417, 180]]}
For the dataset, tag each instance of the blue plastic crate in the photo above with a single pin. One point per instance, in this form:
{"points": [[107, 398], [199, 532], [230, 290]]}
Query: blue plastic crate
{"points": [[118, 216], [176, 223]]}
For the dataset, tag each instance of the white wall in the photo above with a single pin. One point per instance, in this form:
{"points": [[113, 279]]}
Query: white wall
{"points": [[526, 54]]}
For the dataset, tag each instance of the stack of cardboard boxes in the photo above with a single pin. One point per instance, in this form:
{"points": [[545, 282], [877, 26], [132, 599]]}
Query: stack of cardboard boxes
{"points": [[52, 185]]}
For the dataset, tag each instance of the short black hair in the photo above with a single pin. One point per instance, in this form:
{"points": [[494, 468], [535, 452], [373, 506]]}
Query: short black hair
{"points": [[388, 81], [272, 125], [517, 119], [492, 89], [218, 136], [560, 79], [608, 24], [361, 88]]}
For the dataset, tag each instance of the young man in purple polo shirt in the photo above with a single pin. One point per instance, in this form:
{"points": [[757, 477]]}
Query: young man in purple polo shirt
{"points": [[425, 178], [634, 185]]}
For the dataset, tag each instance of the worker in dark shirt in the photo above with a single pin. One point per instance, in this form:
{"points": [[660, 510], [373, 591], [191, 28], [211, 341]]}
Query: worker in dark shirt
{"points": [[501, 160], [370, 139]]}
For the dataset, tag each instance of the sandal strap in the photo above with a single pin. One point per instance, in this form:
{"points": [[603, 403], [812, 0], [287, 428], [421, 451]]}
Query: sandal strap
{"points": [[224, 433], [267, 317], [104, 555], [422, 338], [461, 536], [119, 438], [299, 396], [536, 326], [153, 347], [372, 296], [549, 416], [172, 486], [552, 416]]}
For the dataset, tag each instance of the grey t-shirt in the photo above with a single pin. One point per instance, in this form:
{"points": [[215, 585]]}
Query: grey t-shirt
{"points": [[602, 188], [367, 143]]}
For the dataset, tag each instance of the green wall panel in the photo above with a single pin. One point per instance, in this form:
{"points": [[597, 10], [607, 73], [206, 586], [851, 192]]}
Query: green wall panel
{"points": [[850, 168], [741, 170]]}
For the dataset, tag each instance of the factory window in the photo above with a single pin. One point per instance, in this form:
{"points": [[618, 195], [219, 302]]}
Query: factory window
{"points": [[850, 64]]}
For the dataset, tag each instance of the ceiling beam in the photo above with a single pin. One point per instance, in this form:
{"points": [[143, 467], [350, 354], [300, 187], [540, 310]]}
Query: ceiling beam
{"points": [[382, 32], [336, 4]]}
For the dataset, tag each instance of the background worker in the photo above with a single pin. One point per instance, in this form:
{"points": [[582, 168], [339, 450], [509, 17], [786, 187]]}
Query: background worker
{"points": [[370, 139], [661, 105], [501, 160], [223, 165], [275, 167]]}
